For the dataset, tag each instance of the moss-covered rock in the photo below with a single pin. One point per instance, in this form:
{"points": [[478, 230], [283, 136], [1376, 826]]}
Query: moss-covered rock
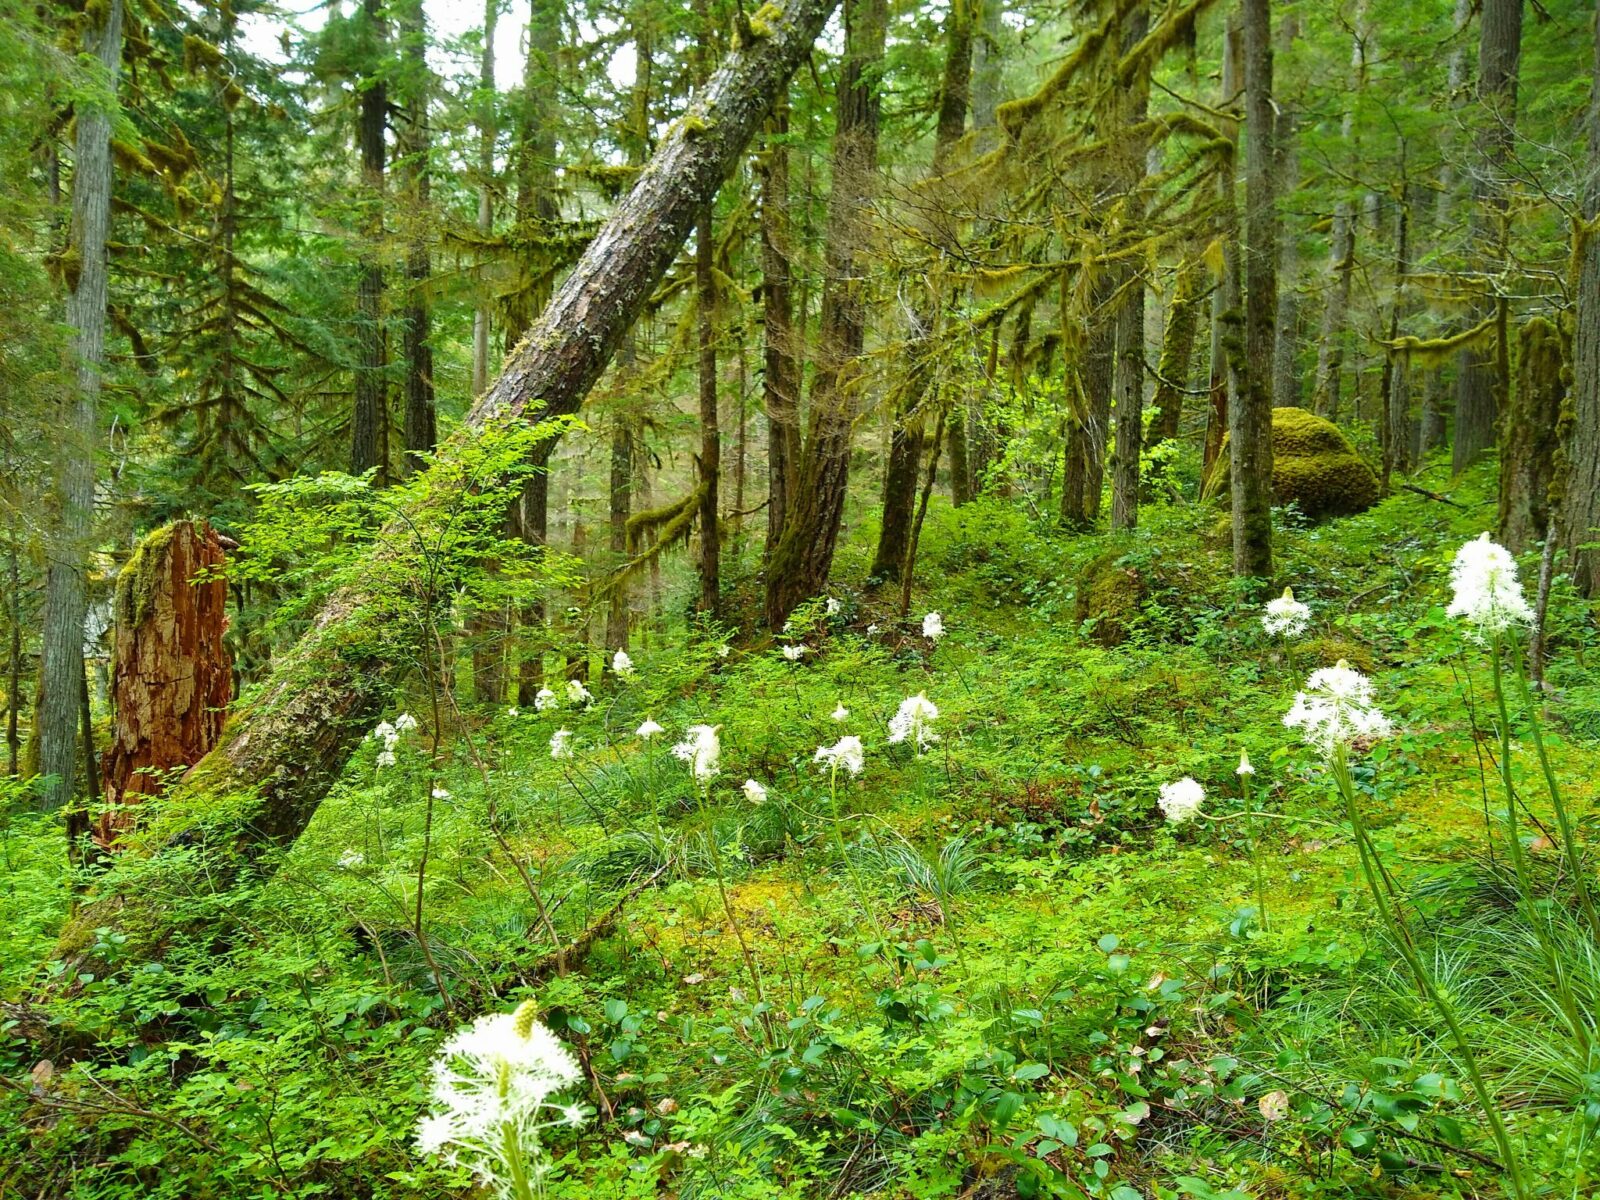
{"points": [[1110, 594], [1314, 467]]}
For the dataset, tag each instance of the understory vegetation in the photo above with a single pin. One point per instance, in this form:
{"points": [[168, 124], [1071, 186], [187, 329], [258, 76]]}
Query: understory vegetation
{"points": [[984, 965]]}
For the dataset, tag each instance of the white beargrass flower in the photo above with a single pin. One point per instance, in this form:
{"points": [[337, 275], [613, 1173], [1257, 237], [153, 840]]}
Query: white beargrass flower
{"points": [[512, 711], [578, 694], [440, 793], [386, 758], [724, 650], [840, 713], [1286, 617], [648, 730], [846, 752], [351, 859], [794, 653], [933, 626], [1335, 709], [561, 744], [833, 606], [622, 665], [1181, 801], [386, 733], [544, 700], [1487, 592], [754, 792], [702, 750], [914, 721], [405, 723], [493, 1084], [872, 629], [1245, 765]]}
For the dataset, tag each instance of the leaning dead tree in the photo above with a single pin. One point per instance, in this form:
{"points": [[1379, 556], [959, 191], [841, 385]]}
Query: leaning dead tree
{"points": [[290, 741], [172, 676]]}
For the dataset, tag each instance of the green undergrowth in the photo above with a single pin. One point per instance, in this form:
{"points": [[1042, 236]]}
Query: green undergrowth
{"points": [[1014, 980]]}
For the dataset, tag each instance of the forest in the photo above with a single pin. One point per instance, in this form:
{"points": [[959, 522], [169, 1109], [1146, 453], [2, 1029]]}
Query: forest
{"points": [[800, 600]]}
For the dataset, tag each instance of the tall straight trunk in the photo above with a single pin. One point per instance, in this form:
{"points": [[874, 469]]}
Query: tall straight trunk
{"points": [[780, 374], [918, 394], [1342, 248], [1128, 384], [1530, 447], [370, 419], [1177, 351], [289, 741], [13, 657], [800, 564], [1250, 420], [1396, 424], [1456, 96], [1226, 300], [71, 511], [1581, 507], [421, 420], [1286, 347], [705, 286], [482, 314], [1483, 378], [1089, 412]]}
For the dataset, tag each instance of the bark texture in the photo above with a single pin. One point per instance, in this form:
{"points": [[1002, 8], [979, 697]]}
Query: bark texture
{"points": [[780, 377], [1530, 441], [416, 149], [369, 421], [172, 676], [1581, 508]]}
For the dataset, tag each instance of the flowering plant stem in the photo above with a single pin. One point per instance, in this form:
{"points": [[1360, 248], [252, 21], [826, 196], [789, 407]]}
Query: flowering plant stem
{"points": [[1370, 867], [733, 920], [849, 863], [523, 1187], [1254, 840]]}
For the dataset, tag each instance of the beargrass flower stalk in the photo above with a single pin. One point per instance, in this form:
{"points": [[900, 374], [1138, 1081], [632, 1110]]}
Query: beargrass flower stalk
{"points": [[1180, 801], [561, 744], [913, 722], [1286, 617], [545, 700], [841, 713], [1246, 771], [648, 729], [1487, 594], [702, 750], [795, 653], [492, 1096], [754, 792], [578, 694], [933, 627], [622, 665], [848, 753], [1336, 710]]}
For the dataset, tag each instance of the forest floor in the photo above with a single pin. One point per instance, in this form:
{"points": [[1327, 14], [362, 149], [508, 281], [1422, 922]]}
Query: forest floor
{"points": [[989, 968]]}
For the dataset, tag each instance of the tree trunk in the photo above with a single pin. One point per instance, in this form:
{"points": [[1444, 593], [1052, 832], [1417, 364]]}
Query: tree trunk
{"points": [[780, 377], [1089, 413], [800, 564], [1482, 382], [920, 376], [1226, 301], [705, 286], [289, 741], [416, 147], [1177, 352], [1250, 420], [482, 314], [1128, 386], [13, 658], [1396, 425], [1581, 506], [1530, 441], [71, 511], [370, 419], [1286, 348], [172, 675], [1342, 247]]}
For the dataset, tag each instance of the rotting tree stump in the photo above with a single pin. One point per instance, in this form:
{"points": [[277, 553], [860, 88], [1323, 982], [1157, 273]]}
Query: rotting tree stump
{"points": [[172, 675]]}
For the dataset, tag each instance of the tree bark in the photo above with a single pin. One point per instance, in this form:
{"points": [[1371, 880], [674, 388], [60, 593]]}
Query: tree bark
{"points": [[370, 418], [1250, 420], [172, 675], [288, 743], [1286, 347], [1396, 425], [1226, 301], [1342, 249], [1177, 352], [13, 657], [1530, 441], [71, 513], [416, 147], [1482, 381], [800, 564], [1581, 507], [1089, 414], [705, 286], [482, 314], [1128, 385], [780, 376]]}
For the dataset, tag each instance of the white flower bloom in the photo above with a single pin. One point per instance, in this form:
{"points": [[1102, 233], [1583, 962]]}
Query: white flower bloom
{"points": [[385, 732], [915, 721], [512, 711], [1245, 766], [840, 713], [561, 744], [1487, 592], [405, 723], [1286, 616], [933, 626], [440, 793], [846, 752], [1336, 708], [577, 693], [622, 665], [648, 730], [386, 758], [702, 750], [1181, 801], [754, 792], [493, 1084], [833, 606], [872, 629], [351, 859], [794, 653], [723, 650], [544, 700]]}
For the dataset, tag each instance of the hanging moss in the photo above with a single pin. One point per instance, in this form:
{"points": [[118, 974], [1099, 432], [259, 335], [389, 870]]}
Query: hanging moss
{"points": [[140, 578], [1314, 467], [1530, 435]]}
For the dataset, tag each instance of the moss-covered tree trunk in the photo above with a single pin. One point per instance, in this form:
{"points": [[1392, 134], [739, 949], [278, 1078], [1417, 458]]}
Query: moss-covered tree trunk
{"points": [[1128, 376], [1529, 439], [780, 382], [1341, 246], [172, 675], [1581, 504], [369, 422], [1177, 351], [287, 745], [415, 144], [800, 563], [1226, 299]]}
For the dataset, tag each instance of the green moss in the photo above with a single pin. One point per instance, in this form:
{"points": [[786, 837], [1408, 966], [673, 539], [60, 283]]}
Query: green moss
{"points": [[1329, 651], [1314, 467], [1110, 594], [140, 578]]}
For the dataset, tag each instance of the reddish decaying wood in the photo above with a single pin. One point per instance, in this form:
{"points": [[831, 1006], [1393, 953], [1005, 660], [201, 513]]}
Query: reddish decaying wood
{"points": [[172, 675]]}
